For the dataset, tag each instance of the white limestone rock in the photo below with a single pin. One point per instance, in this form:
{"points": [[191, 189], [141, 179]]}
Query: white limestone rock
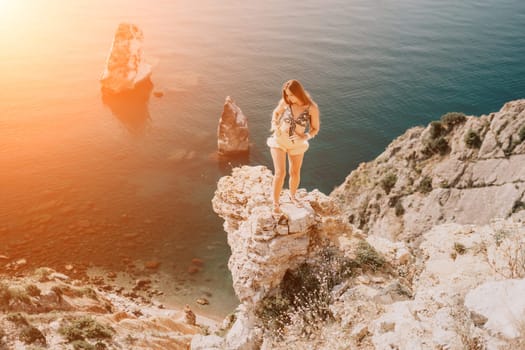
{"points": [[244, 335], [207, 342], [503, 304], [468, 185], [264, 246]]}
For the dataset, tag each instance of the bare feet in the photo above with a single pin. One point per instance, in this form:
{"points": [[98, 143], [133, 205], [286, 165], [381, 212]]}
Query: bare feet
{"points": [[276, 209], [295, 201]]}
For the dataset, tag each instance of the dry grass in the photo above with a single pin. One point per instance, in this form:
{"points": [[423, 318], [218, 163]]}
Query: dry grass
{"points": [[510, 248], [301, 305]]}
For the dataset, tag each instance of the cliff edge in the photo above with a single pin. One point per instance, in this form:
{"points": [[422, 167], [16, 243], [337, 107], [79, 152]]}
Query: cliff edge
{"points": [[461, 169], [422, 248]]}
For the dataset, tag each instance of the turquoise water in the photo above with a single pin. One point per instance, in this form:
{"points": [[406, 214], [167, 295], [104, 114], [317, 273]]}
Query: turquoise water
{"points": [[90, 181]]}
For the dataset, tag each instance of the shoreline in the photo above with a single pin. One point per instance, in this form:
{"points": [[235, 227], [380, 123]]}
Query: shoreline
{"points": [[125, 284]]}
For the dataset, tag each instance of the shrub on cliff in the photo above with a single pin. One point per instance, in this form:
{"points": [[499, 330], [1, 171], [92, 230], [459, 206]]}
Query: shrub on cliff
{"points": [[388, 182], [436, 129], [367, 256], [425, 185], [31, 335], [399, 209], [437, 145], [85, 327], [522, 134], [33, 290], [12, 295], [472, 139], [452, 119], [18, 319], [302, 301]]}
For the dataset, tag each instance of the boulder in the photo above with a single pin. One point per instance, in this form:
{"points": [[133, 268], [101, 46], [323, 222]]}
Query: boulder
{"points": [[263, 246], [502, 304], [232, 133]]}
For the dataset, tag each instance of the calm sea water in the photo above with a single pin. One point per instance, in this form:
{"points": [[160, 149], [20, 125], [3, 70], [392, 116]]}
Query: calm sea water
{"points": [[90, 182]]}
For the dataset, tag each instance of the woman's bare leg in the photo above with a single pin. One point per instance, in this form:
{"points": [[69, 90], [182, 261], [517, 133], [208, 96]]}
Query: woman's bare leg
{"points": [[296, 161], [279, 166]]}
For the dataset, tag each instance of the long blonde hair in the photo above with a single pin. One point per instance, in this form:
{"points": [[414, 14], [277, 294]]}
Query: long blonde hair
{"points": [[297, 89]]}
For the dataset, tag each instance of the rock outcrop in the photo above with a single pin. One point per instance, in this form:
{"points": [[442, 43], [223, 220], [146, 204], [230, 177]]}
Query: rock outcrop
{"points": [[50, 310], [463, 170], [422, 248], [459, 300], [125, 65], [265, 247], [447, 294], [232, 132]]}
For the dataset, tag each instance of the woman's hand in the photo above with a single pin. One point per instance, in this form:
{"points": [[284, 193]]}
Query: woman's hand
{"points": [[295, 137]]}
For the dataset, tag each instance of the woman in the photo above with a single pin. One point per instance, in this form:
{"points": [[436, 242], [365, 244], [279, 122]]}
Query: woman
{"points": [[295, 113]]}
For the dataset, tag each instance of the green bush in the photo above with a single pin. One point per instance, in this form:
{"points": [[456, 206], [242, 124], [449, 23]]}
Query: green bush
{"points": [[399, 209], [31, 334], [84, 345], [522, 134], [436, 129], [10, 294], [392, 201], [17, 319], [425, 185], [305, 293], [388, 182], [33, 290], [452, 119], [367, 256], [460, 248], [437, 145], [444, 184], [85, 327], [472, 139]]}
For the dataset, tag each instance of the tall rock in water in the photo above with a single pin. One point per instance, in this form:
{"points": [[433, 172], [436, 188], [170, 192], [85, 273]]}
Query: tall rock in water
{"points": [[232, 133], [125, 66]]}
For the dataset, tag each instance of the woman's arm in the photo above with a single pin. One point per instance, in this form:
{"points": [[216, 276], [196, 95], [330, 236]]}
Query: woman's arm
{"points": [[315, 122], [277, 112]]}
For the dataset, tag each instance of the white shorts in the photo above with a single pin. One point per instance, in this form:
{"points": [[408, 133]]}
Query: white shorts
{"points": [[283, 142]]}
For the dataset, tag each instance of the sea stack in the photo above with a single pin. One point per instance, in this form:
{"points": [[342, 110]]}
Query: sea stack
{"points": [[125, 67], [232, 133]]}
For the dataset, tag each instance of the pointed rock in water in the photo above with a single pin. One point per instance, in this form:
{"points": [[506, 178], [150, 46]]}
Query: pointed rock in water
{"points": [[125, 67], [232, 133]]}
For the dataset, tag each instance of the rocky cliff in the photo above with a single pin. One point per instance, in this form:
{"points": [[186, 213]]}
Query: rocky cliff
{"points": [[50, 310], [462, 169], [422, 248]]}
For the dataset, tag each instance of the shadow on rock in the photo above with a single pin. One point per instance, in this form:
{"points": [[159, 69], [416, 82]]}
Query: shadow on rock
{"points": [[131, 107]]}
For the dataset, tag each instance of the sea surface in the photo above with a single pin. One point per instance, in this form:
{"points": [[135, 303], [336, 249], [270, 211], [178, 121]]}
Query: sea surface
{"points": [[92, 182]]}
